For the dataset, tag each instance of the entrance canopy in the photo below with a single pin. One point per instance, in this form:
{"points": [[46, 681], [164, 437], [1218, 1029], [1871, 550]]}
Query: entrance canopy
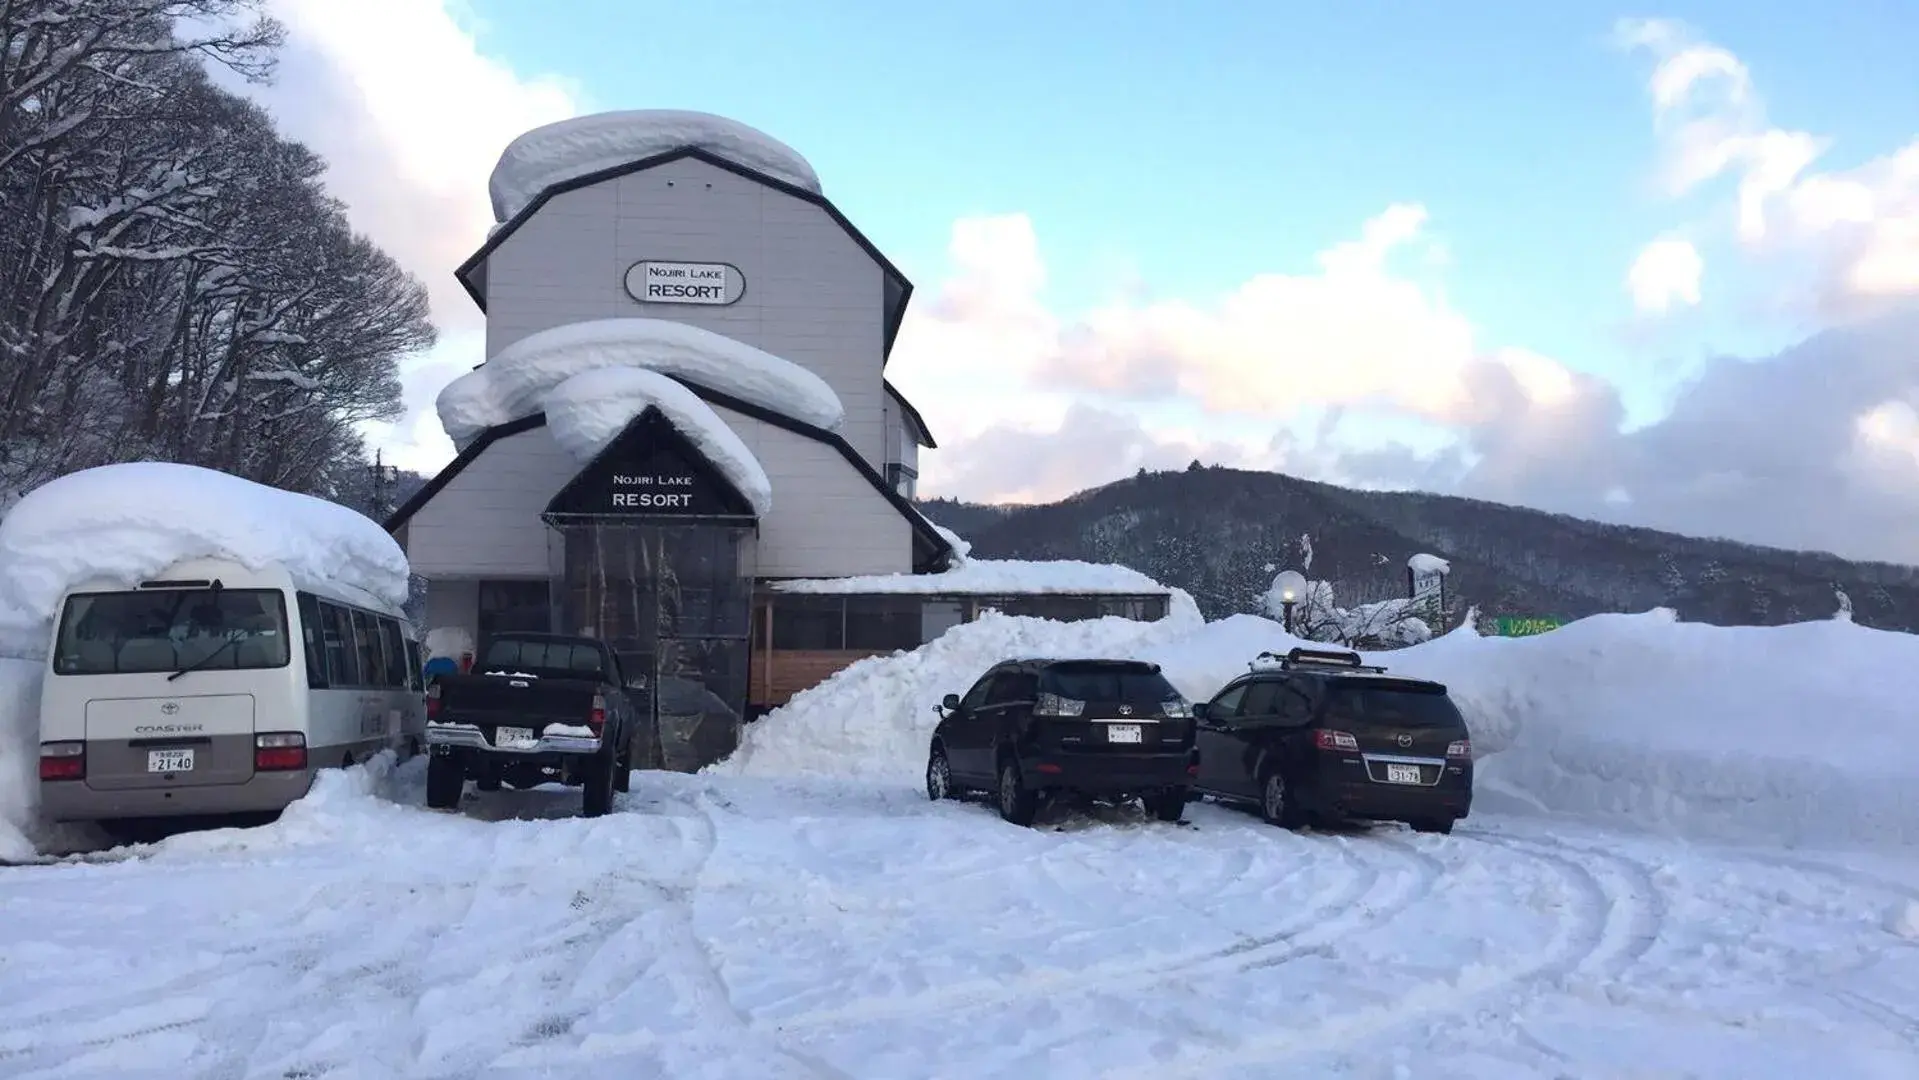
{"points": [[652, 472]]}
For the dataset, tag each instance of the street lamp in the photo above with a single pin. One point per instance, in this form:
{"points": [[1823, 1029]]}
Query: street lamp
{"points": [[1290, 587]]}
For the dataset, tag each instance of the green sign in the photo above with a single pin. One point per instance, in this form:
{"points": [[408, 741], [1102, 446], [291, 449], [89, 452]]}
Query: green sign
{"points": [[1525, 626]]}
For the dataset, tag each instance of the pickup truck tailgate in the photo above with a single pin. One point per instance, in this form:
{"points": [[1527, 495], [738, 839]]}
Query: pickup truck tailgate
{"points": [[487, 701]]}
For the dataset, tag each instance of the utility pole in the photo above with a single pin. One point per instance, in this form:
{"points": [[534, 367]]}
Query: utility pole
{"points": [[385, 479]]}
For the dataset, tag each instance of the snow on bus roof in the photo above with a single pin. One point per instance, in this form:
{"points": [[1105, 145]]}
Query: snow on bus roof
{"points": [[582, 145], [994, 577], [127, 523], [516, 381], [588, 411]]}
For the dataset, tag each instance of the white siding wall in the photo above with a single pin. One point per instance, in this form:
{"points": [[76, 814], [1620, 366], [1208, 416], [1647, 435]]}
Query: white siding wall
{"points": [[826, 519], [813, 296]]}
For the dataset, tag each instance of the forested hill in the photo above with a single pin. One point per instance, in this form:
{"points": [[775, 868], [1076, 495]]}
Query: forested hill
{"points": [[1221, 533]]}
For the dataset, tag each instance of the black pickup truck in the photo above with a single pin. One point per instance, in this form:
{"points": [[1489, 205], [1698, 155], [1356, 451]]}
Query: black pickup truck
{"points": [[536, 708]]}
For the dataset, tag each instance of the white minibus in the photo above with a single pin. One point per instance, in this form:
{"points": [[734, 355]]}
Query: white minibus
{"points": [[216, 689]]}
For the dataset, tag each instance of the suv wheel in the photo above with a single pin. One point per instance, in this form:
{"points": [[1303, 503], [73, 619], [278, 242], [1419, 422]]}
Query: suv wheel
{"points": [[1443, 826], [1017, 803], [939, 775], [445, 779], [1168, 805], [1276, 801]]}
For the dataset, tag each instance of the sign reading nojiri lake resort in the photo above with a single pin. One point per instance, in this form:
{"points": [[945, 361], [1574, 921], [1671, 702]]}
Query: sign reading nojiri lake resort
{"points": [[652, 282]]}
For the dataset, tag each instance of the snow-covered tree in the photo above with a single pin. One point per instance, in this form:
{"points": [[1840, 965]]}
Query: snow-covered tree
{"points": [[1377, 624], [175, 283]]}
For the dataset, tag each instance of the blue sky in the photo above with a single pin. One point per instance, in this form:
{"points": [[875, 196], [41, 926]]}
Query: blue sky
{"points": [[1374, 244], [1196, 145]]}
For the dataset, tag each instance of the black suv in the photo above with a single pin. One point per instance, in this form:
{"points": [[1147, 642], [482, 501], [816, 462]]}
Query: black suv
{"points": [[1040, 728], [1319, 734]]}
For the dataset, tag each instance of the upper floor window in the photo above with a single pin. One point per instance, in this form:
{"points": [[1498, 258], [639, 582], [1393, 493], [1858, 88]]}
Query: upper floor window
{"points": [[903, 479]]}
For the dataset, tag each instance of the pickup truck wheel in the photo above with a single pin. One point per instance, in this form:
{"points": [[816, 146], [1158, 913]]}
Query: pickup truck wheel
{"points": [[445, 780], [623, 768], [596, 795]]}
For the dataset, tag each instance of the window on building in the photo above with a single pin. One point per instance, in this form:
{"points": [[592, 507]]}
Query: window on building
{"points": [[809, 622], [883, 622], [508, 606], [903, 479]]}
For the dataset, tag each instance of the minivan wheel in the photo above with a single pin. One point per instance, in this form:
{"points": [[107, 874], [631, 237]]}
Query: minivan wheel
{"points": [[445, 779], [939, 775], [1017, 804], [1275, 801]]}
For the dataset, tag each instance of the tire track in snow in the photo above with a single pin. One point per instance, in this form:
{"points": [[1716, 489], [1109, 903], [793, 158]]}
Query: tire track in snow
{"points": [[1635, 907], [1370, 894], [1591, 938]]}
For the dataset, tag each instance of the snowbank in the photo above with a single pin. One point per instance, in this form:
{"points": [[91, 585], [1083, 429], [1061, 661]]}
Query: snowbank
{"points": [[127, 522], [19, 738], [983, 577], [586, 144], [516, 382], [1800, 733], [589, 410]]}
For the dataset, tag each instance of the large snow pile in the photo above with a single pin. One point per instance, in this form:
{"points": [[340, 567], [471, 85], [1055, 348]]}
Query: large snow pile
{"points": [[516, 381], [588, 411], [1795, 733], [125, 523], [19, 736], [583, 145]]}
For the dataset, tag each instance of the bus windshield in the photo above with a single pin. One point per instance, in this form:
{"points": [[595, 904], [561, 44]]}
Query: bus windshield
{"points": [[164, 630]]}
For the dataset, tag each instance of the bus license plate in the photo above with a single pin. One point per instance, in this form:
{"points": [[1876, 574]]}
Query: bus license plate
{"points": [[1128, 733], [165, 761], [1402, 774]]}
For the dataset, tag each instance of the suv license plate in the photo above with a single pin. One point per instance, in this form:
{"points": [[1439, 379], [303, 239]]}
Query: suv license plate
{"points": [[164, 761], [512, 736], [1128, 733], [1402, 774]]}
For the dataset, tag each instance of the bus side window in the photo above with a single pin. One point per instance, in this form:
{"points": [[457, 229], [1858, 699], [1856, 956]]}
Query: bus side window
{"points": [[397, 662], [342, 665], [312, 635]]}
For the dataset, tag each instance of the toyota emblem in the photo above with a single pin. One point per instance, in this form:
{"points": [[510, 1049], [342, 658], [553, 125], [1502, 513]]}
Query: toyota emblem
{"points": [[1405, 740], [1126, 710], [170, 708]]}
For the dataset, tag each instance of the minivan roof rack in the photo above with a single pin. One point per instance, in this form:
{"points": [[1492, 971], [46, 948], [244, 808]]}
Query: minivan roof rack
{"points": [[1297, 657]]}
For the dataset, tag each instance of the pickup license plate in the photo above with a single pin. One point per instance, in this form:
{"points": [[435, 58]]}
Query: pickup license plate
{"points": [[512, 736], [1122, 733], [1402, 774], [165, 761]]}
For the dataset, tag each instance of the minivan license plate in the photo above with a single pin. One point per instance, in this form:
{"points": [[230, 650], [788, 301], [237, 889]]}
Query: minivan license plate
{"points": [[1402, 774], [1122, 733], [164, 761]]}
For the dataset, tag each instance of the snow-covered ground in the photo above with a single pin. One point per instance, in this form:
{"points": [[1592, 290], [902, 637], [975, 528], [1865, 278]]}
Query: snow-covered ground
{"points": [[731, 926]]}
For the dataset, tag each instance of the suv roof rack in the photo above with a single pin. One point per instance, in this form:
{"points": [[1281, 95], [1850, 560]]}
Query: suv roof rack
{"points": [[1316, 658]]}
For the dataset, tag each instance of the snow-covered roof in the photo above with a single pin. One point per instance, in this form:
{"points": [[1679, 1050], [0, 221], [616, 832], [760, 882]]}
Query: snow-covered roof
{"points": [[572, 148], [588, 411], [126, 523], [516, 381], [993, 577]]}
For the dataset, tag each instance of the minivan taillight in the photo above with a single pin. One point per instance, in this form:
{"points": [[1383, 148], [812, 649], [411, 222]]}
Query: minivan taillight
{"points": [[597, 718], [1334, 740], [1459, 748], [280, 751], [433, 701], [63, 761]]}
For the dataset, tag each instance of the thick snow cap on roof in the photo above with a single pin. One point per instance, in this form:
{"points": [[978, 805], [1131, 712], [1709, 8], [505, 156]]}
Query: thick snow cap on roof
{"points": [[588, 411], [1428, 564], [126, 523], [984, 577], [516, 382], [586, 144]]}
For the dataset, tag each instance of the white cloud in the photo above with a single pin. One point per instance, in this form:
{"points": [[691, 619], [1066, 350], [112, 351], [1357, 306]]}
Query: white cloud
{"points": [[1666, 273], [1860, 226]]}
